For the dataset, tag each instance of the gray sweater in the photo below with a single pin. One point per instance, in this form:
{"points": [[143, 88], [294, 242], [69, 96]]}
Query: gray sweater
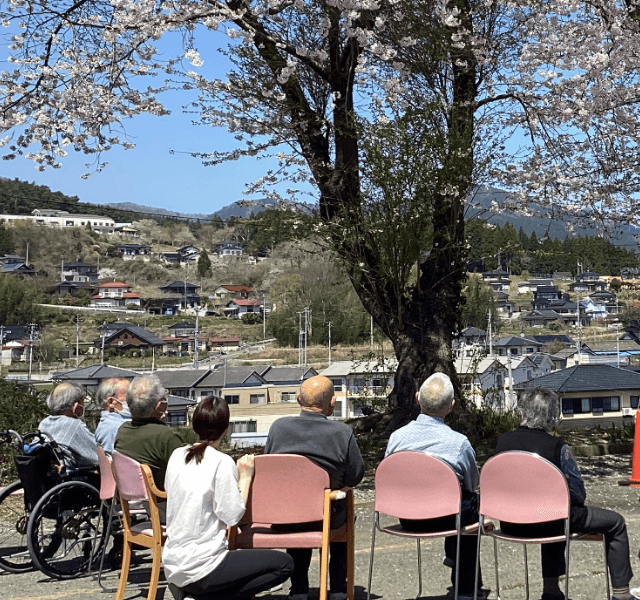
{"points": [[330, 444]]}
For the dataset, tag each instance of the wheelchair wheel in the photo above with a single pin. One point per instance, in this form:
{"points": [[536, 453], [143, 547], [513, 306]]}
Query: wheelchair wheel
{"points": [[65, 532], [14, 554]]}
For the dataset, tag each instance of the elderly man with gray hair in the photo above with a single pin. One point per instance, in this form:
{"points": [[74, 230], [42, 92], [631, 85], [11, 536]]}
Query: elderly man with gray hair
{"points": [[66, 428], [147, 438], [540, 411], [429, 434], [111, 396]]}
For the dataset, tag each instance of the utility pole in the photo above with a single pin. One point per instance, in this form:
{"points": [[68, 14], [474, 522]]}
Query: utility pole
{"points": [[510, 402], [78, 320], [31, 326], [196, 343], [579, 332], [264, 319], [329, 342], [299, 339], [102, 335], [490, 336]]}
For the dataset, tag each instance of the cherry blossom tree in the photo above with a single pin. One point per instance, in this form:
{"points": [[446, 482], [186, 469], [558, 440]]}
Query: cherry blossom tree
{"points": [[393, 109]]}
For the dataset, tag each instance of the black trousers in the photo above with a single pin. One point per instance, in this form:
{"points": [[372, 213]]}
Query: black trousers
{"points": [[337, 554], [583, 520], [468, 543], [242, 574]]}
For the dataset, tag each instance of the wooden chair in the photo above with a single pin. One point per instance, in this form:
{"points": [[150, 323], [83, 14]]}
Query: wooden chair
{"points": [[524, 488], [415, 485], [135, 484], [289, 489]]}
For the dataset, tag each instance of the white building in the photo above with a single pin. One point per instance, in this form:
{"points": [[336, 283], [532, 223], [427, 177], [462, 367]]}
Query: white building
{"points": [[62, 218]]}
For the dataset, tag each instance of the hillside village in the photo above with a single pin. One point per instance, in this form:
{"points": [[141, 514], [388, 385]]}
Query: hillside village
{"points": [[205, 306]]}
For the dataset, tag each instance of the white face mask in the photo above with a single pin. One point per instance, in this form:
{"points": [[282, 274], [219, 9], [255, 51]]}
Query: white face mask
{"points": [[124, 409]]}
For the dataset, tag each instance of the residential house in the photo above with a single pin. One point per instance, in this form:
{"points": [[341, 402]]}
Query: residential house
{"points": [[525, 287], [64, 288], [495, 275], [613, 352], [189, 254], [519, 369], [499, 285], [540, 318], [544, 362], [186, 344], [588, 282], [222, 344], [115, 294], [543, 295], [553, 337], [163, 306], [228, 248], [170, 258], [592, 393], [19, 268], [62, 218], [483, 380], [185, 292], [181, 329], [125, 336], [78, 272], [504, 306], [132, 251], [286, 381], [225, 293], [236, 308], [514, 345], [360, 384]]}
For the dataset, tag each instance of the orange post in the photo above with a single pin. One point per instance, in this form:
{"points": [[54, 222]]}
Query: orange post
{"points": [[634, 480]]}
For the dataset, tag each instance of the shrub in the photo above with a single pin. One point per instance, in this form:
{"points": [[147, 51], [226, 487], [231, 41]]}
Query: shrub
{"points": [[251, 318]]}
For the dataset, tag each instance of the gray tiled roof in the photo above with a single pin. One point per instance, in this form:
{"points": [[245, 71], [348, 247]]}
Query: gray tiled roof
{"points": [[183, 378], [231, 376], [293, 375], [587, 378]]}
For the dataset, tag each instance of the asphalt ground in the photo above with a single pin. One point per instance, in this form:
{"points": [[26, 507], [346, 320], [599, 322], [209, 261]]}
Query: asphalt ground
{"points": [[395, 570]]}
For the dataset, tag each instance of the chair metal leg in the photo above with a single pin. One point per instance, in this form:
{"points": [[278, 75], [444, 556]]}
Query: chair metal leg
{"points": [[566, 577], [477, 570], [104, 551], [419, 571], [373, 544], [526, 572], [606, 568], [495, 562], [455, 585]]}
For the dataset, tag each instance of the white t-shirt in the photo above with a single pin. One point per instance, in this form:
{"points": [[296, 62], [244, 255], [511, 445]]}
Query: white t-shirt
{"points": [[202, 500]]}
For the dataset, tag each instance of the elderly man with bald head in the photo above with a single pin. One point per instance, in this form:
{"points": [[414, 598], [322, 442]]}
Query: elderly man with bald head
{"points": [[332, 446]]}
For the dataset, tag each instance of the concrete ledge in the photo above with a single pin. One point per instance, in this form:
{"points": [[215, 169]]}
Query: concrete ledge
{"points": [[602, 449]]}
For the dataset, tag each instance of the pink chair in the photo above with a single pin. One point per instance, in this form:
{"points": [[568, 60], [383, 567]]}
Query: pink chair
{"points": [[107, 496], [289, 489], [415, 485], [524, 488], [135, 484]]}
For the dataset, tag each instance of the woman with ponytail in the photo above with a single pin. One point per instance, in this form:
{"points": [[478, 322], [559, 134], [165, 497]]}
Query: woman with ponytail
{"points": [[206, 493]]}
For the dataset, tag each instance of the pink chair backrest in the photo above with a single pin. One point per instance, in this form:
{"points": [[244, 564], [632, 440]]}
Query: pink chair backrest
{"points": [[107, 482], [128, 476], [287, 488], [414, 485], [521, 487]]}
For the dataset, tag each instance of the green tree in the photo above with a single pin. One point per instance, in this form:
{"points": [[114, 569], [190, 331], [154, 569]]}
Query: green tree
{"points": [[18, 301], [478, 301], [204, 264]]}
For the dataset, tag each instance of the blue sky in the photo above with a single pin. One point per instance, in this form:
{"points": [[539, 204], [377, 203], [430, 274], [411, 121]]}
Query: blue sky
{"points": [[149, 174]]}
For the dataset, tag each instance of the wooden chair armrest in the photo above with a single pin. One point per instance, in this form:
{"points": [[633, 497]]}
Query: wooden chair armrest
{"points": [[340, 494], [152, 484]]}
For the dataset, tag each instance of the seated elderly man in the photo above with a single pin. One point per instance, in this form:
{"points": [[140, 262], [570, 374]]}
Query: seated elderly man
{"points": [[540, 410], [429, 434], [111, 396], [147, 438], [65, 427]]}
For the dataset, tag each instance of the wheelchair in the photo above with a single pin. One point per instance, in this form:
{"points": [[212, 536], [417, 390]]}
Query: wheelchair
{"points": [[50, 519]]}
